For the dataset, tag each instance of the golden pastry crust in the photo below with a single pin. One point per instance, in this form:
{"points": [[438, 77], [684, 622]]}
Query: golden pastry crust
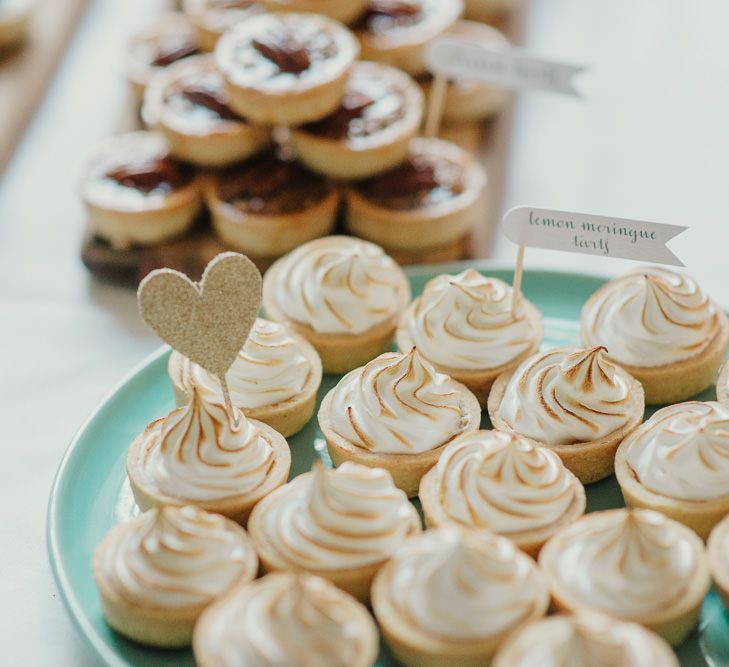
{"points": [[589, 461], [346, 12], [212, 18], [363, 156], [489, 11], [406, 469], [467, 135], [446, 252], [424, 228], [717, 552], [237, 508], [479, 381], [286, 417], [699, 515], [672, 623], [680, 380], [722, 384]]}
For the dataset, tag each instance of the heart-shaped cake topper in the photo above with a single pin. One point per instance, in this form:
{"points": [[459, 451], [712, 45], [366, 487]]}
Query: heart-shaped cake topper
{"points": [[207, 322]]}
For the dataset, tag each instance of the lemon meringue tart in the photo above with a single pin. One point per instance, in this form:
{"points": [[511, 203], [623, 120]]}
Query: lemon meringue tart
{"points": [[397, 413], [286, 619], [718, 554], [212, 18], [197, 456], [575, 402], [505, 483], [398, 33], [287, 68], [678, 463], [429, 202], [722, 384], [274, 378], [270, 204], [346, 12], [465, 326], [371, 129], [636, 565], [342, 524], [188, 104], [586, 639], [136, 193], [343, 295], [450, 597], [158, 571], [662, 328]]}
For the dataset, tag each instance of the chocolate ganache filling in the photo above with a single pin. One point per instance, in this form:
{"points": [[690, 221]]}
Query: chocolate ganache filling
{"points": [[271, 183], [283, 49], [209, 97], [384, 15], [163, 175]]}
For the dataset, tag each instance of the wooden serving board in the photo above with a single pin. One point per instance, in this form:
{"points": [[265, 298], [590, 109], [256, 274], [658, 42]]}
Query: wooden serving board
{"points": [[190, 254]]}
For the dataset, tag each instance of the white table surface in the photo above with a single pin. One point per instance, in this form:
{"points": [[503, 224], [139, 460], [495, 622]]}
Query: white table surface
{"points": [[648, 141]]}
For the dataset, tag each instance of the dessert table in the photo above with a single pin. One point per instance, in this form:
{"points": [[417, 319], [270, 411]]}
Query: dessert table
{"points": [[647, 141]]}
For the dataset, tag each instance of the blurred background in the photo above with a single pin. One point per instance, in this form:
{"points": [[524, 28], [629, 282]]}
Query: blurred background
{"points": [[647, 140]]}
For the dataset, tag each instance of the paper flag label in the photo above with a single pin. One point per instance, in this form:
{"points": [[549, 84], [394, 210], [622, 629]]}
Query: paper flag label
{"points": [[591, 234], [461, 59]]}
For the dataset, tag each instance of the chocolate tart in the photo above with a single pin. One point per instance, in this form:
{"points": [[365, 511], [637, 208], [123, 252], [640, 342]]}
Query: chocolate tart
{"points": [[212, 18]]}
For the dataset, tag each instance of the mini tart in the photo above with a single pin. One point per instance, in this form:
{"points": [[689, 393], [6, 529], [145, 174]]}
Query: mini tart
{"points": [[15, 17], [270, 204], [273, 380], [662, 328], [489, 11], [678, 463], [341, 524], [585, 639], [345, 11], [370, 131], [136, 194], [429, 201], [170, 38], [472, 100], [635, 565], [718, 554], [504, 483], [396, 413], [195, 456], [286, 69], [722, 384], [463, 324], [286, 619], [188, 104], [212, 18], [397, 32], [573, 401], [342, 294], [450, 597], [158, 571]]}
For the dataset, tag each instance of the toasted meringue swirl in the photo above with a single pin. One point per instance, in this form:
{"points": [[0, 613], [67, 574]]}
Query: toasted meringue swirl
{"points": [[465, 322], [682, 451], [336, 519], [567, 395], [650, 318], [196, 454], [270, 369], [285, 619], [175, 557], [464, 585], [399, 404], [503, 482], [585, 640], [339, 285], [625, 563]]}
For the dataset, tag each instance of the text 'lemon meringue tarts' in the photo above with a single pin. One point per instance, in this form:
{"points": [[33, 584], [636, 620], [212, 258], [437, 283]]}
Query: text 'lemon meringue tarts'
{"points": [[718, 554], [343, 295], [342, 524], [397, 413], [464, 325], [157, 572], [586, 639], [662, 328], [677, 463], [573, 401], [450, 597], [636, 565], [274, 378], [197, 456], [286, 619], [505, 483]]}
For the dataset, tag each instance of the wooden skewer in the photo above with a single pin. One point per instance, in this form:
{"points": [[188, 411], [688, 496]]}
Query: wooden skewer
{"points": [[436, 104], [516, 286]]}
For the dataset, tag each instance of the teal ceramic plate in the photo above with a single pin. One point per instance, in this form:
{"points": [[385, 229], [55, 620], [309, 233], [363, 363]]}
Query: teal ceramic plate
{"points": [[90, 493]]}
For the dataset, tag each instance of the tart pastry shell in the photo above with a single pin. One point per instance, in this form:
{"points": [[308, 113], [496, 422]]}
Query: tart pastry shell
{"points": [[346, 11]]}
